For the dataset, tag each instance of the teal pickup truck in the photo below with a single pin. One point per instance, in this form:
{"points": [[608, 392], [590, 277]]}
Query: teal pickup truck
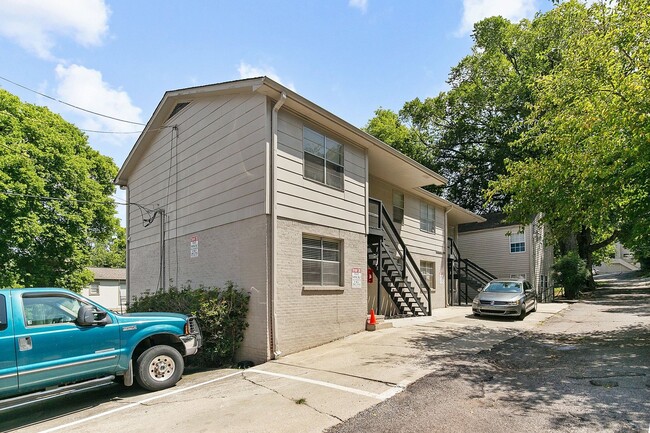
{"points": [[55, 341]]}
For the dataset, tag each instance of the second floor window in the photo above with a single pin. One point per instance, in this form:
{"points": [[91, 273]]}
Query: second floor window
{"points": [[398, 207], [427, 218], [517, 243], [323, 159]]}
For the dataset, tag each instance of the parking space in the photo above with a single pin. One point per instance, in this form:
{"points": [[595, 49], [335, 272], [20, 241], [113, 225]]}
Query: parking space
{"points": [[303, 392]]}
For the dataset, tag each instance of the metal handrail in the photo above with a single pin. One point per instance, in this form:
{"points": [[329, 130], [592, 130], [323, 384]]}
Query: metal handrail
{"points": [[404, 254]]}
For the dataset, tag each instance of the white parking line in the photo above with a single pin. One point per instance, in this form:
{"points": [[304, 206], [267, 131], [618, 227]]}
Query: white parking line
{"points": [[137, 403], [383, 396]]}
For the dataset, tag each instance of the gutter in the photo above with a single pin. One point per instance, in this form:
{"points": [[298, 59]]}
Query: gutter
{"points": [[271, 293]]}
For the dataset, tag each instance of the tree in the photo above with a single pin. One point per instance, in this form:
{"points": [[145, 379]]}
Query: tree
{"points": [[110, 253], [589, 133], [466, 132], [54, 196]]}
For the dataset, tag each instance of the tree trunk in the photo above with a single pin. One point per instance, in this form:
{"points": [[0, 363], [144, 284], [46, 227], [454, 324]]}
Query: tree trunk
{"points": [[586, 253]]}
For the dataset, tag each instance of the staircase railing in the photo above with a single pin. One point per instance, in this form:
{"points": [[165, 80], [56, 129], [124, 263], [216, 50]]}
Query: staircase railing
{"points": [[394, 247], [467, 273]]}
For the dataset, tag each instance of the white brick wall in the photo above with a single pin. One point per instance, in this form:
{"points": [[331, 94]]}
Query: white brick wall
{"points": [[308, 318]]}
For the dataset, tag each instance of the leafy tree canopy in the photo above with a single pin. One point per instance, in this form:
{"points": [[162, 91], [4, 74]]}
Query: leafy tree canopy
{"points": [[54, 196], [465, 133], [110, 253], [589, 132]]}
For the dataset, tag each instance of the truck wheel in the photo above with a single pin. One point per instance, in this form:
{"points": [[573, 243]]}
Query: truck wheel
{"points": [[159, 367]]}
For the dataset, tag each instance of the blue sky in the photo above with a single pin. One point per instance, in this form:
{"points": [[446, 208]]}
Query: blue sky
{"points": [[118, 57]]}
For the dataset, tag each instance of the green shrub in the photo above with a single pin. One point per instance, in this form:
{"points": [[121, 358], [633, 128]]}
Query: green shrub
{"points": [[221, 314], [570, 271]]}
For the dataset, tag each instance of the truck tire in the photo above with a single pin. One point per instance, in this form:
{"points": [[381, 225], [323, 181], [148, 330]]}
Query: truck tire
{"points": [[159, 367]]}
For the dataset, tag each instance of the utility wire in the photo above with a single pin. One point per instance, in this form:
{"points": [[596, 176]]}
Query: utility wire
{"points": [[146, 221], [70, 105]]}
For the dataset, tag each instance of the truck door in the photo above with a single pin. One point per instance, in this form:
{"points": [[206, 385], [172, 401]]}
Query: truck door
{"points": [[8, 374], [51, 349]]}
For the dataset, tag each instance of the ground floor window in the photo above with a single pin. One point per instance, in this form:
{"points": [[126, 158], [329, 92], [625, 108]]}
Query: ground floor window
{"points": [[94, 289], [428, 270], [321, 261]]}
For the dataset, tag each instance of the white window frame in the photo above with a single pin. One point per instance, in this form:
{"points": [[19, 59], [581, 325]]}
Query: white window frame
{"points": [[428, 270], [517, 242], [427, 217], [398, 208], [94, 289], [321, 149], [324, 247]]}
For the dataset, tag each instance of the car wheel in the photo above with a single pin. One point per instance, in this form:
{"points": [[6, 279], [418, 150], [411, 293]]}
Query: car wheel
{"points": [[159, 367], [522, 315], [534, 306]]}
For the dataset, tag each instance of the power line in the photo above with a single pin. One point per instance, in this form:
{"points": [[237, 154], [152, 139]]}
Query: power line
{"points": [[71, 105], [146, 221], [109, 132]]}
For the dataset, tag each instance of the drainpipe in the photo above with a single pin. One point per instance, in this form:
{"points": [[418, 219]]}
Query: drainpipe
{"points": [[445, 256], [128, 244], [274, 225]]}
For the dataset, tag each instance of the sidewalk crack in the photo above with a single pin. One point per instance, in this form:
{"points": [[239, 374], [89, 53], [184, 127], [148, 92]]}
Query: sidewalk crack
{"points": [[290, 399]]}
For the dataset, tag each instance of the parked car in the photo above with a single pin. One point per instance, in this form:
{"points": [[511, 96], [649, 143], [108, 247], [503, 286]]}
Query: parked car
{"points": [[54, 341], [505, 297]]}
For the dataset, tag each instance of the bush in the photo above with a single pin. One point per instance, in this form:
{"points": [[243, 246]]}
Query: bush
{"points": [[570, 271], [221, 313]]}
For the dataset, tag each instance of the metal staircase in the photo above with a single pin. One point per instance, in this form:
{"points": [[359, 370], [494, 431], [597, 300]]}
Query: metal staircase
{"points": [[466, 278], [394, 266]]}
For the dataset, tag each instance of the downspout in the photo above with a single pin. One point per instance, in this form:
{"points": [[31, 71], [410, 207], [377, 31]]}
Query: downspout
{"points": [[272, 296], [128, 244], [445, 256]]}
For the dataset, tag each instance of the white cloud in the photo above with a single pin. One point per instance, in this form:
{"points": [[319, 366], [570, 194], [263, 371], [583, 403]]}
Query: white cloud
{"points": [[476, 10], [36, 24], [362, 5], [249, 71], [86, 88]]}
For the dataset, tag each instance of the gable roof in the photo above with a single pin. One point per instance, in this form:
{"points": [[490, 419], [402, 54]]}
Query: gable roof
{"points": [[491, 221], [117, 274], [385, 160]]}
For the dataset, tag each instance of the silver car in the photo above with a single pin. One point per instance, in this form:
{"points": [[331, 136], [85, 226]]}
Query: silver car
{"points": [[506, 297]]}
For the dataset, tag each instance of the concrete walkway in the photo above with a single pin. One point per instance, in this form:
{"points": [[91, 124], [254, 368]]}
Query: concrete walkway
{"points": [[303, 392]]}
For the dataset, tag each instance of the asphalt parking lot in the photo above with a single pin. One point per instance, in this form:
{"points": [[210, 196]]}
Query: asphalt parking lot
{"points": [[303, 392]]}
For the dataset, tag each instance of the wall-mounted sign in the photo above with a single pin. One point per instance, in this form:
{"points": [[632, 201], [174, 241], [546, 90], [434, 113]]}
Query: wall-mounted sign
{"points": [[194, 246], [357, 278]]}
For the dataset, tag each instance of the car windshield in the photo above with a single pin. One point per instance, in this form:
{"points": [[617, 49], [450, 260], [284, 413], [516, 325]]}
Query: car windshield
{"points": [[503, 287]]}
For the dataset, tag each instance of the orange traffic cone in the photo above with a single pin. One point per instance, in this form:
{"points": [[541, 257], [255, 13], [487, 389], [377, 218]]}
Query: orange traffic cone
{"points": [[373, 319]]}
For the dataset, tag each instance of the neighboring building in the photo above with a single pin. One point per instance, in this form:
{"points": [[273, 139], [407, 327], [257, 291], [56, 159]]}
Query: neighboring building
{"points": [[622, 261], [250, 182], [108, 289], [509, 250]]}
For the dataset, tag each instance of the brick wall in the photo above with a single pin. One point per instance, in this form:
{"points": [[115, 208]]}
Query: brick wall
{"points": [[307, 316], [234, 252]]}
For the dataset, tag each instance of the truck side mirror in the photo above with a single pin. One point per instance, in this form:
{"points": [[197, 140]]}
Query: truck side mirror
{"points": [[88, 316]]}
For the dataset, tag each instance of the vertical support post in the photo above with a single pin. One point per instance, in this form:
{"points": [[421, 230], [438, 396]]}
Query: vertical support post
{"points": [[379, 276]]}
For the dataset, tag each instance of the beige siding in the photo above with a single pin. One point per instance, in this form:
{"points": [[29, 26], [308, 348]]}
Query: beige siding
{"points": [[490, 249], [234, 252], [212, 174], [302, 199], [308, 317], [109, 294], [422, 245]]}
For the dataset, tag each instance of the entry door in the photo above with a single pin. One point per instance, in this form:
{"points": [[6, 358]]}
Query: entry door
{"points": [[52, 349], [8, 375]]}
